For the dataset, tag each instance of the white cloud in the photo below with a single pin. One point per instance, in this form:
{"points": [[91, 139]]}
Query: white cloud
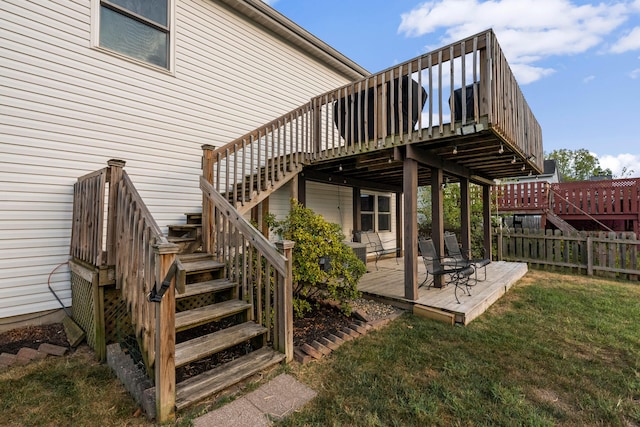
{"points": [[631, 41], [617, 163], [270, 2], [528, 30], [588, 79], [635, 73]]}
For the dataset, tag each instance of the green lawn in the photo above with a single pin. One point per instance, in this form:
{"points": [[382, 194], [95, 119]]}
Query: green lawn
{"points": [[556, 350]]}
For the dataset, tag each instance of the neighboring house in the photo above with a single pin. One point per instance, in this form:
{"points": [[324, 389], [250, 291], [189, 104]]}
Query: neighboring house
{"points": [[83, 82], [551, 174]]}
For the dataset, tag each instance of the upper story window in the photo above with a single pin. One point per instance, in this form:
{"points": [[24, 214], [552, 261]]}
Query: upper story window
{"points": [[137, 28]]}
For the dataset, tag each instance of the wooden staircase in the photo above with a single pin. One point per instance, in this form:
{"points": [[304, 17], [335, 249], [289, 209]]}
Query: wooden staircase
{"points": [[207, 301]]}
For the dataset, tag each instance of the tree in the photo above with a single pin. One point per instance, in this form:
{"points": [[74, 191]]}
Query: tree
{"points": [[577, 165]]}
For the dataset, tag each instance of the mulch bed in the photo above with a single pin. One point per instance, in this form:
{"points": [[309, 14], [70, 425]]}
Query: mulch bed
{"points": [[32, 336]]}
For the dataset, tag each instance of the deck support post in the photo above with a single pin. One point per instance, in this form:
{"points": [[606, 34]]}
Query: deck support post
{"points": [[486, 219], [399, 234], [465, 216], [410, 189], [302, 189], [357, 218], [437, 215]]}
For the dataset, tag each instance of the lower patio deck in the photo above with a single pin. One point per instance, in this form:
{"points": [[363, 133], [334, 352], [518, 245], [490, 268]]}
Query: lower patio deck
{"points": [[387, 283]]}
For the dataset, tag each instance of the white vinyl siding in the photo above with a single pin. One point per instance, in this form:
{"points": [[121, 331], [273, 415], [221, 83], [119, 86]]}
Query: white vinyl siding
{"points": [[67, 108]]}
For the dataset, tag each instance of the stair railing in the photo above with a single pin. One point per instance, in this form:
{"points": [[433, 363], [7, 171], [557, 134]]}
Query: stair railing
{"points": [[142, 257], [262, 272]]}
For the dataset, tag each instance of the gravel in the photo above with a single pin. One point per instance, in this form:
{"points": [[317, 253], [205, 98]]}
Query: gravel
{"points": [[374, 310]]}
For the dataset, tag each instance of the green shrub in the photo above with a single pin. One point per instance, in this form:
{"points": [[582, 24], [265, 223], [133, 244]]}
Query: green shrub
{"points": [[315, 239]]}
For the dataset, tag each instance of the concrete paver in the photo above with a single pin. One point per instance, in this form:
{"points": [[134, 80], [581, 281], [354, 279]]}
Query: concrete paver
{"points": [[274, 400]]}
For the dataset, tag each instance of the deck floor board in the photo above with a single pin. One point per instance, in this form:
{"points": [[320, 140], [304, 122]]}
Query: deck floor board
{"points": [[387, 281]]}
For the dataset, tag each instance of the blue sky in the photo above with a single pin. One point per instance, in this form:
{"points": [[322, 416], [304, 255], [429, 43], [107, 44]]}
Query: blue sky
{"points": [[577, 62]]}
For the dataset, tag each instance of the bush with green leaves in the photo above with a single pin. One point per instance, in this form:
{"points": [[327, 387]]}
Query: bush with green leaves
{"points": [[315, 240]]}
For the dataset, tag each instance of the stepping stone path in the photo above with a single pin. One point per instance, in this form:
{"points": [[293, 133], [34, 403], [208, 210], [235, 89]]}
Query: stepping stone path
{"points": [[26, 355]]}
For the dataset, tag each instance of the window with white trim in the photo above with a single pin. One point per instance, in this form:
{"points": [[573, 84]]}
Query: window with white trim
{"points": [[138, 29], [375, 212]]}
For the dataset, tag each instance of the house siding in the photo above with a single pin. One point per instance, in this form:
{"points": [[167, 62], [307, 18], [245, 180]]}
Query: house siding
{"points": [[66, 108]]}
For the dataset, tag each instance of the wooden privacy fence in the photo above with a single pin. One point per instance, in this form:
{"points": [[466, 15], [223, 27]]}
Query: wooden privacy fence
{"points": [[601, 253]]}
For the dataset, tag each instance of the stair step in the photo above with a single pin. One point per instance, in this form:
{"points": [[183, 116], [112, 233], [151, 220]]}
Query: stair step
{"points": [[210, 313], [208, 383], [195, 257], [209, 286], [201, 265], [194, 217], [174, 239], [206, 345]]}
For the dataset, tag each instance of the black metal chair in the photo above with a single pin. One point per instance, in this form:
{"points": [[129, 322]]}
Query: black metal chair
{"points": [[451, 274], [455, 253]]}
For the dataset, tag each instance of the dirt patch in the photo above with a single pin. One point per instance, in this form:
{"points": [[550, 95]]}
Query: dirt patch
{"points": [[32, 336]]}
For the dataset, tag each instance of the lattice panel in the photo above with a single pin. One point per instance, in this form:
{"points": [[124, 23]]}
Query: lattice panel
{"points": [[83, 307], [117, 323]]}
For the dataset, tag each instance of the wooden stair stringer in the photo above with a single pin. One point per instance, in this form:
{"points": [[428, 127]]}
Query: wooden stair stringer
{"points": [[262, 195], [200, 387]]}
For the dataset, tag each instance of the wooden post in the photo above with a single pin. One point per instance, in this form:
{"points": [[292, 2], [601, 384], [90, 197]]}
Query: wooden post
{"points": [[410, 190], [293, 188], [486, 219], [357, 217], [165, 340], [399, 235], [302, 189], [115, 176], [465, 216], [264, 228], [207, 206], [589, 255], [284, 303], [437, 217]]}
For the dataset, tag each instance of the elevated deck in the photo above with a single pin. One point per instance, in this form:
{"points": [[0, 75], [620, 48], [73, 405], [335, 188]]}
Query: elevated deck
{"points": [[387, 283]]}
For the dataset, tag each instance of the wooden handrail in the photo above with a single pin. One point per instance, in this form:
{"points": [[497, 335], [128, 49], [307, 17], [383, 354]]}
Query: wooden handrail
{"points": [[266, 248], [263, 273]]}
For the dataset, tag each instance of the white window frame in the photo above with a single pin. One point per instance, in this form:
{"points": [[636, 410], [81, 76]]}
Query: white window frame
{"points": [[95, 38], [376, 211]]}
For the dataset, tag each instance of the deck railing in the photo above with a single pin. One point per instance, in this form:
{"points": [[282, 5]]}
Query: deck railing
{"points": [[142, 257], [261, 270], [431, 96], [614, 198]]}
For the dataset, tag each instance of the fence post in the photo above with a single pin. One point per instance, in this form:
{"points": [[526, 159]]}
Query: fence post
{"points": [[284, 303], [114, 177], [207, 206], [165, 339], [589, 255]]}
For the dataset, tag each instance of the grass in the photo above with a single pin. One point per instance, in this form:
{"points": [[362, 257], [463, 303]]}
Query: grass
{"points": [[556, 350]]}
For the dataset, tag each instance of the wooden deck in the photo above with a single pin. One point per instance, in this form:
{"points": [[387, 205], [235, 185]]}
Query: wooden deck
{"points": [[387, 283]]}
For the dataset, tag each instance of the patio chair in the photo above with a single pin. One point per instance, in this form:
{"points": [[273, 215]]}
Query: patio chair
{"points": [[455, 252], [451, 274]]}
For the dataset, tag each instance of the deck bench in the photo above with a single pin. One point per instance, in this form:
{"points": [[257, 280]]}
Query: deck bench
{"points": [[375, 245]]}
